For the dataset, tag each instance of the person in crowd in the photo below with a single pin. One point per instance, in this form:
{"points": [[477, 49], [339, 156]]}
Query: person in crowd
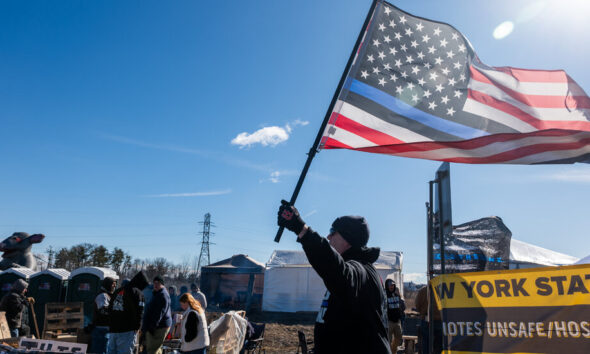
{"points": [[198, 295], [194, 335], [395, 309], [183, 289], [13, 304], [422, 309], [174, 304], [148, 292], [353, 316], [158, 318], [125, 312], [100, 319]]}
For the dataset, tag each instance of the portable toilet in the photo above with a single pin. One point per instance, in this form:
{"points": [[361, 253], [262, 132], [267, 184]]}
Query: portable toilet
{"points": [[46, 286], [83, 286], [10, 275]]}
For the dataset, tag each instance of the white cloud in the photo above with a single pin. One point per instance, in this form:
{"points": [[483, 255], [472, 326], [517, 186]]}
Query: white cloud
{"points": [[418, 278], [310, 213], [213, 155], [274, 176], [576, 176], [503, 30], [195, 194], [267, 136]]}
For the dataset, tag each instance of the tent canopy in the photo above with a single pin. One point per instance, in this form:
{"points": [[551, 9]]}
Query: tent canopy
{"points": [[585, 260], [281, 258], [236, 264], [291, 284], [525, 253]]}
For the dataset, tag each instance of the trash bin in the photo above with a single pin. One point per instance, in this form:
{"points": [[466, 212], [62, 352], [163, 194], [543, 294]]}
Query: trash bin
{"points": [[10, 275], [83, 286], [49, 285]]}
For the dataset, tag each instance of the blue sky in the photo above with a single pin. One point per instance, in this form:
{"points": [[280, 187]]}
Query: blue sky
{"points": [[123, 123]]}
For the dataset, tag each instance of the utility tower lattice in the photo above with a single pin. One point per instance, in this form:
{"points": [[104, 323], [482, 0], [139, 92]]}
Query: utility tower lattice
{"points": [[204, 256]]}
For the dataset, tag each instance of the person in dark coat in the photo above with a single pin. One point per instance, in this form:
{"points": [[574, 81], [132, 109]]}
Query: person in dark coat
{"points": [[125, 312], [174, 296], [13, 304], [395, 311], [100, 319], [352, 317], [158, 318]]}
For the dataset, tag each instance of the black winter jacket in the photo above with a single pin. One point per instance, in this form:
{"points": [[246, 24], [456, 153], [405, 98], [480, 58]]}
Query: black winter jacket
{"points": [[353, 316], [13, 303], [126, 306]]}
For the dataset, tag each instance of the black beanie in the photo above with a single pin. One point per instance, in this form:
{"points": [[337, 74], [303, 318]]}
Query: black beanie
{"points": [[354, 229], [159, 279], [107, 282]]}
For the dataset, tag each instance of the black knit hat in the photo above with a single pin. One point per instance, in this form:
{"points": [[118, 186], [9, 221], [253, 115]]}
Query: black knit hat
{"points": [[354, 229], [159, 278], [107, 282]]}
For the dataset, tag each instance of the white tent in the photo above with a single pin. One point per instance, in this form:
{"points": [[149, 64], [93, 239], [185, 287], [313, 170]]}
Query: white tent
{"points": [[525, 255], [585, 260], [291, 284]]}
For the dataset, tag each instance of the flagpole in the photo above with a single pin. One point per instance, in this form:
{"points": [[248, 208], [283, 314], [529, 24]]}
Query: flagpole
{"points": [[313, 150]]}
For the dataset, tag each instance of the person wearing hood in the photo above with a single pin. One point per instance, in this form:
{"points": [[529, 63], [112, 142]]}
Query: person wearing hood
{"points": [[352, 317], [174, 303], [395, 309], [125, 312], [14, 303], [100, 319]]}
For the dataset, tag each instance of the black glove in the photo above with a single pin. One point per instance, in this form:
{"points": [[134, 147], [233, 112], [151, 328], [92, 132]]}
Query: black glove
{"points": [[288, 217]]}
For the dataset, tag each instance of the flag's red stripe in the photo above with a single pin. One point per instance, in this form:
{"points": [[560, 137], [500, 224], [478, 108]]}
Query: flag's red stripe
{"points": [[518, 113], [540, 101], [528, 75], [476, 142], [335, 144], [505, 156], [365, 132]]}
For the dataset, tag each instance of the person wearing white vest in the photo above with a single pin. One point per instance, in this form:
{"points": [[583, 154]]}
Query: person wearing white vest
{"points": [[193, 330]]}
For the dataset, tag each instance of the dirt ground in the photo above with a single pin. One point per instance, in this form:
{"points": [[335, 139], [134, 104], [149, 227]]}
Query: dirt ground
{"points": [[281, 329]]}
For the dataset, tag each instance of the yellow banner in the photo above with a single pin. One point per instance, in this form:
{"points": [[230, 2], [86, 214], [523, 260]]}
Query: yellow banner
{"points": [[549, 286]]}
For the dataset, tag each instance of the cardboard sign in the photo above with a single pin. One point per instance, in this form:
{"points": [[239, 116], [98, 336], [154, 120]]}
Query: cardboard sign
{"points": [[539, 310], [44, 345], [4, 329]]}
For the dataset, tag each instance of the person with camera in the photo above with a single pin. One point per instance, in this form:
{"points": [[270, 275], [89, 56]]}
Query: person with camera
{"points": [[352, 317]]}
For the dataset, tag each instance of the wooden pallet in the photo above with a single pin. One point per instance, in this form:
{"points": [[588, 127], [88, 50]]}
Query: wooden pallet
{"points": [[61, 318]]}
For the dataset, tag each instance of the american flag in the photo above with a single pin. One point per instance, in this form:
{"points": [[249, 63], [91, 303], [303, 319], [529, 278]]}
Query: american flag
{"points": [[417, 89]]}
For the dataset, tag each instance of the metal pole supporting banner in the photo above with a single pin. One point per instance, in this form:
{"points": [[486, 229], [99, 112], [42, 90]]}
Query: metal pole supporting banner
{"points": [[313, 150], [429, 295]]}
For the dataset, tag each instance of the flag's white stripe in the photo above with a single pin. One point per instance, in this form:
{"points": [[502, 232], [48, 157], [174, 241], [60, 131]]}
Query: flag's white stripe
{"points": [[557, 114], [551, 156], [529, 159], [369, 120], [348, 138], [493, 148], [491, 113], [532, 88]]}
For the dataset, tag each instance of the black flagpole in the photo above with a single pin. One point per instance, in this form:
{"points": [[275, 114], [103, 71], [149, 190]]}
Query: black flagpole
{"points": [[313, 150]]}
